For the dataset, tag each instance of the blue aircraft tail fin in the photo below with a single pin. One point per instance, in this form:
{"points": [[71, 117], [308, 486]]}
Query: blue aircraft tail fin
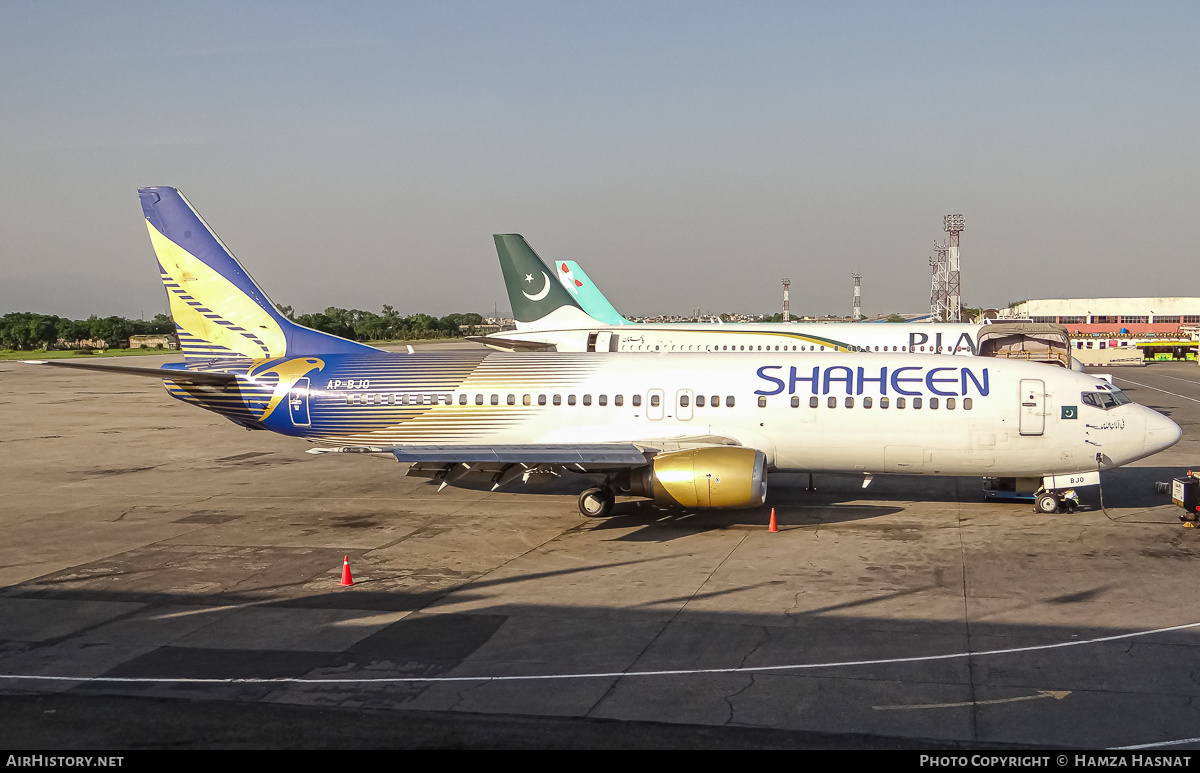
{"points": [[219, 310]]}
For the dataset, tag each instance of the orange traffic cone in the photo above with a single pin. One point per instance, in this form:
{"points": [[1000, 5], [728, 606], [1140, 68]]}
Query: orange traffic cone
{"points": [[772, 526], [346, 578]]}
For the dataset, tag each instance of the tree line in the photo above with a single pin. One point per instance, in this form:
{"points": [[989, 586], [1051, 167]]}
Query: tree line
{"points": [[26, 330], [29, 330], [358, 325]]}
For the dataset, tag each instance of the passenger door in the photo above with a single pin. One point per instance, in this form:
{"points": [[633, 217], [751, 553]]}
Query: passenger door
{"points": [[603, 341], [1033, 406], [298, 403]]}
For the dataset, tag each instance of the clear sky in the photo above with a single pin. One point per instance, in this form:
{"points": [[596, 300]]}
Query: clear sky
{"points": [[685, 153]]}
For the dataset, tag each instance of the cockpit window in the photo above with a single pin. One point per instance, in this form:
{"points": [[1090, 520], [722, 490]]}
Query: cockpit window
{"points": [[1105, 401]]}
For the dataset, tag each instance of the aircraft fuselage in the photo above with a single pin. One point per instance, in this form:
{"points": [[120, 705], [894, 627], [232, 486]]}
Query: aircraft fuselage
{"points": [[836, 412]]}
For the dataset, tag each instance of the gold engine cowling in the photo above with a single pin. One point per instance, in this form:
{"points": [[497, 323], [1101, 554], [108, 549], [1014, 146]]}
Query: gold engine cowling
{"points": [[726, 476]]}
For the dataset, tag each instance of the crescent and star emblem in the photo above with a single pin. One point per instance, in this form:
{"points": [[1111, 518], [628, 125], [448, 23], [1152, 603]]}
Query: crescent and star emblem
{"points": [[545, 288]]}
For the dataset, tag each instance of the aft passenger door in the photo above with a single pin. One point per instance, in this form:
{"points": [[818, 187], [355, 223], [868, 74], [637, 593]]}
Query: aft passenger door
{"points": [[603, 341], [298, 403], [1033, 406]]}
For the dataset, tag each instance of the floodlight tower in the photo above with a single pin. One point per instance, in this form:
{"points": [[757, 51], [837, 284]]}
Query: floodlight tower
{"points": [[787, 311], [933, 291], [953, 225], [937, 294], [857, 277]]}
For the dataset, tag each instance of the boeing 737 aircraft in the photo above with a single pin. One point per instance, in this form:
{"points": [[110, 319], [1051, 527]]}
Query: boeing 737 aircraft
{"points": [[581, 320], [688, 430]]}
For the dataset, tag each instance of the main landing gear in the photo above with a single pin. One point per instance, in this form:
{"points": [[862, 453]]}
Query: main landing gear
{"points": [[597, 502]]}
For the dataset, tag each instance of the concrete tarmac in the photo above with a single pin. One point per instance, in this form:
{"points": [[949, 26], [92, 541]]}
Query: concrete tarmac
{"points": [[169, 580]]}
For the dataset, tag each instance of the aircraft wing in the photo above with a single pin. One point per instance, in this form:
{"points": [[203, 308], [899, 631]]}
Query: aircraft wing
{"points": [[513, 345], [178, 376], [576, 455], [580, 455], [506, 463], [583, 456], [685, 443]]}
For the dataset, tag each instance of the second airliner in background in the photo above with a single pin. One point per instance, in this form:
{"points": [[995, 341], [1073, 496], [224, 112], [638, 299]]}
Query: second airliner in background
{"points": [[572, 315]]}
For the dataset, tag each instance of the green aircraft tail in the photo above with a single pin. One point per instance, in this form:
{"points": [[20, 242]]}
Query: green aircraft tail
{"points": [[536, 296]]}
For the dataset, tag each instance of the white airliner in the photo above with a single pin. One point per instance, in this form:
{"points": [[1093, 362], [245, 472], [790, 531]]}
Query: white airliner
{"points": [[551, 319], [688, 430]]}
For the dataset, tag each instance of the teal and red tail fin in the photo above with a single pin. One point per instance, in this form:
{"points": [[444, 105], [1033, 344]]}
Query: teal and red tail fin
{"points": [[572, 276], [219, 310]]}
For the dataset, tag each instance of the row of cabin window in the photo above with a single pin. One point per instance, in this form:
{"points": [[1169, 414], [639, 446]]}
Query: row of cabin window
{"points": [[751, 348], [445, 399], [884, 402], [715, 348], [636, 400]]}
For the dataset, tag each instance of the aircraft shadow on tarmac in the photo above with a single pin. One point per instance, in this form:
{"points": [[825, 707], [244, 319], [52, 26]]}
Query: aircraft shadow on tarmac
{"points": [[840, 498], [663, 524], [139, 575], [1129, 494]]}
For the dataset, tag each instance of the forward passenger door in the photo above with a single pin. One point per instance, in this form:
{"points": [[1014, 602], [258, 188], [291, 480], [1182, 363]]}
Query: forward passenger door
{"points": [[1033, 406]]}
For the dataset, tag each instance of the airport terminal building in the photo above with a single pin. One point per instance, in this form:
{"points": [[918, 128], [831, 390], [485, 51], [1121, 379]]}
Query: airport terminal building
{"points": [[1111, 316]]}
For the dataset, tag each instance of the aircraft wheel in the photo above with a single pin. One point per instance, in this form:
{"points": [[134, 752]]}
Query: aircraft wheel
{"points": [[596, 502], [1047, 503]]}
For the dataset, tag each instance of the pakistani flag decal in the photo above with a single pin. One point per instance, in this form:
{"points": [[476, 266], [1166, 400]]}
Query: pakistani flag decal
{"points": [[1070, 411]]}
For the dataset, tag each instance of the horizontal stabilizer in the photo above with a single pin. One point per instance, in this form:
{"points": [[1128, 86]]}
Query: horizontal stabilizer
{"points": [[178, 376], [513, 345]]}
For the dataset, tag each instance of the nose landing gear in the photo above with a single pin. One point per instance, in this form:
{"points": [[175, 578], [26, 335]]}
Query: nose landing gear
{"points": [[1056, 501]]}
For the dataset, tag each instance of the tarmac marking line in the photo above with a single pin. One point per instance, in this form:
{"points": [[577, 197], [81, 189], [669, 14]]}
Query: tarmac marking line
{"points": [[598, 675], [1177, 378], [1156, 389], [1056, 694], [1156, 745]]}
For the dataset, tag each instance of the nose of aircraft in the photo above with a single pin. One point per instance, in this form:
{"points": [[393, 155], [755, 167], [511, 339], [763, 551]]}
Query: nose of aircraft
{"points": [[1161, 432]]}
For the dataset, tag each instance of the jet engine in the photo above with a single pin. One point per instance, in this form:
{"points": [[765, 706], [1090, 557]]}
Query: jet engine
{"points": [[724, 476]]}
